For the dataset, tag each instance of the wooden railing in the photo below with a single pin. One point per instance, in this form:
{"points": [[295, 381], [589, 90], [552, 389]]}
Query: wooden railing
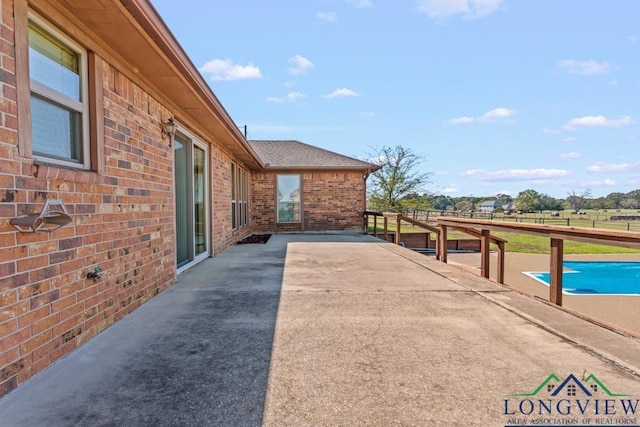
{"points": [[556, 234], [398, 219]]}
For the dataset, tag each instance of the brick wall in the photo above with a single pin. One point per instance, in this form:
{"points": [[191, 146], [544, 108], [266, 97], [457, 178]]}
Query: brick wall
{"points": [[223, 234], [122, 222], [331, 201]]}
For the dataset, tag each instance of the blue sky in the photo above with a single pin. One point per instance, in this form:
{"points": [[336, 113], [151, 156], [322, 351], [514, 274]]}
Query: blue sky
{"points": [[499, 96]]}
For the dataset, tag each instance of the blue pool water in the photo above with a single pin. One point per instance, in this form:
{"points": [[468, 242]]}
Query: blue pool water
{"points": [[596, 278]]}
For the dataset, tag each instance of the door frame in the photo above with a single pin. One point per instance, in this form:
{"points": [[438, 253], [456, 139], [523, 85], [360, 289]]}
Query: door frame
{"points": [[195, 142]]}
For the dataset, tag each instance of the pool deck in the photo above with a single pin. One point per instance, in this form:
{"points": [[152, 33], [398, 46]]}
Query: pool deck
{"points": [[620, 311], [322, 330]]}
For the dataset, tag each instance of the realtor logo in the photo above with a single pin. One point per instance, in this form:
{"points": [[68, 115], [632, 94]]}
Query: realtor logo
{"points": [[571, 401]]}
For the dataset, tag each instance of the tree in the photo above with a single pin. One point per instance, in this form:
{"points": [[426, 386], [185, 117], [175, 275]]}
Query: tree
{"points": [[464, 205], [396, 179], [578, 201], [441, 202], [548, 203], [528, 201], [504, 199]]}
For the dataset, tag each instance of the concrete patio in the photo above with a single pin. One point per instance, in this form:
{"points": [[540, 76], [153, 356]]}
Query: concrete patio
{"points": [[315, 330]]}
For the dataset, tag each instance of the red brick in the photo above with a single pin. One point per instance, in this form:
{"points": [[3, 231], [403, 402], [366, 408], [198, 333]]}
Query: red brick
{"points": [[14, 339], [33, 316], [37, 341], [29, 291], [28, 264], [44, 299], [8, 327], [9, 356], [13, 310]]}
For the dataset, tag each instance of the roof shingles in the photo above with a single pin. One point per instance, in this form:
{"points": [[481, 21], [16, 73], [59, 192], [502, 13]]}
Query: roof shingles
{"points": [[297, 155]]}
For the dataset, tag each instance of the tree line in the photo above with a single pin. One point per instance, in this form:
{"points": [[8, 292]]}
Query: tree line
{"points": [[398, 187]]}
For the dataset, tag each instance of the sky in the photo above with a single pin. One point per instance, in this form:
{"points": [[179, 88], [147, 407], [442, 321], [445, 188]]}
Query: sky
{"points": [[497, 96]]}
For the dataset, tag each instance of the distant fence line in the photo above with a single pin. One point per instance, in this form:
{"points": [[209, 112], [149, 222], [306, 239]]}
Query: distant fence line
{"points": [[602, 220]]}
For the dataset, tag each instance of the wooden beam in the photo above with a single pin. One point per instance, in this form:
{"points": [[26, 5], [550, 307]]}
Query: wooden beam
{"points": [[500, 273], [443, 243], [421, 224], [398, 220], [627, 239], [557, 255], [485, 251], [375, 225], [385, 231]]}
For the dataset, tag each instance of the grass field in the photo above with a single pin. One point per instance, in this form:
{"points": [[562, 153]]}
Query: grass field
{"points": [[540, 245]]}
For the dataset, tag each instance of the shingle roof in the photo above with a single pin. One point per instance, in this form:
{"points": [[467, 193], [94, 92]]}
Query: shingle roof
{"points": [[297, 155]]}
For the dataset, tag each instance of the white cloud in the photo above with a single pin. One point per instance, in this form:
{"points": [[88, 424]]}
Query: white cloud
{"points": [[598, 121], [632, 39], [341, 93], [496, 114], [367, 114], [515, 174], [601, 167], [462, 120], [360, 4], [571, 155], [290, 97], [584, 68], [603, 183], [469, 8], [450, 189], [488, 117], [225, 69], [327, 16], [570, 139], [550, 131], [300, 65]]}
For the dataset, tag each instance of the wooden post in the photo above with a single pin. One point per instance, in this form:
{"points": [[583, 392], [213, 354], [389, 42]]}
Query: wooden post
{"points": [[485, 252], [443, 243], [500, 263], [386, 236], [375, 225], [398, 229], [557, 254]]}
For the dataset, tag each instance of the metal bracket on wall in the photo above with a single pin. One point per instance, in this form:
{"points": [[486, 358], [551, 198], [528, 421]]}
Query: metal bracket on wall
{"points": [[53, 216]]}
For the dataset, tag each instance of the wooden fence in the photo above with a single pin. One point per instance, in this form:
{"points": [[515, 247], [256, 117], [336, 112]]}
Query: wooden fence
{"points": [[556, 234]]}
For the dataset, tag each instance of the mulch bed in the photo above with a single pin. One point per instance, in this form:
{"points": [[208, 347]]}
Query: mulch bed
{"points": [[255, 238]]}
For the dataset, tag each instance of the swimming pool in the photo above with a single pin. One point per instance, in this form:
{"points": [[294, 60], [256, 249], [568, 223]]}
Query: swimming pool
{"points": [[596, 278]]}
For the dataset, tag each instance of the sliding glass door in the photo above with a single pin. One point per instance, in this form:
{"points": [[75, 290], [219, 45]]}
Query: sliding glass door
{"points": [[192, 224]]}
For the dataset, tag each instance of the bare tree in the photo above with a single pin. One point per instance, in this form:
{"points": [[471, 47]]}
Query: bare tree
{"points": [[578, 201], [397, 178]]}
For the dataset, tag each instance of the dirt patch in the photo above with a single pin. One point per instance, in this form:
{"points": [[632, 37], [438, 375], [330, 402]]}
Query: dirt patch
{"points": [[255, 238]]}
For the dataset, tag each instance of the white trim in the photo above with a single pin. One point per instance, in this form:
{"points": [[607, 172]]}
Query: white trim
{"points": [[81, 106], [207, 195]]}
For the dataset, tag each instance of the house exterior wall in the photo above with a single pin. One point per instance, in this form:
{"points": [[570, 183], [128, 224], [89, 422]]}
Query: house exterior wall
{"points": [[331, 201], [123, 218], [223, 233]]}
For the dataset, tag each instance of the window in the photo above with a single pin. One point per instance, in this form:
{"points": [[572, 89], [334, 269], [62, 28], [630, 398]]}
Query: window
{"points": [[288, 198], [239, 196], [234, 211], [58, 97]]}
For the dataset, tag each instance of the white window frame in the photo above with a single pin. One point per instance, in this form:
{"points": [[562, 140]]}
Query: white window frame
{"points": [[207, 200], [234, 200], [81, 106], [299, 220]]}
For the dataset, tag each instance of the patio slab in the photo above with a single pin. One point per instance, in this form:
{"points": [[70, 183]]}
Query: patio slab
{"points": [[314, 330]]}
